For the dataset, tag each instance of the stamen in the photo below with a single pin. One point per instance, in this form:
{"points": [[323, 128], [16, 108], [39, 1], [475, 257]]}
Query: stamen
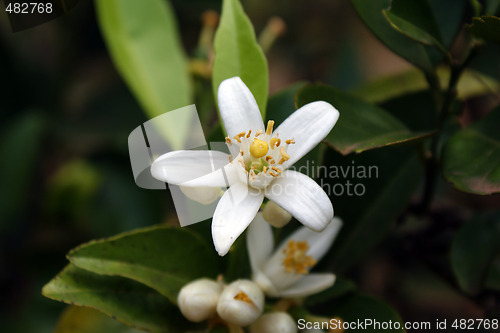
{"points": [[268, 158], [291, 141], [296, 259], [273, 174], [241, 296], [274, 142], [258, 148], [264, 169], [284, 156], [230, 158], [237, 138], [270, 125], [259, 132], [228, 141], [249, 132], [272, 162], [276, 169]]}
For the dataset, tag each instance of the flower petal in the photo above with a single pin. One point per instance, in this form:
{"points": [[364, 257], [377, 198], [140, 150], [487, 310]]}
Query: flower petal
{"points": [[235, 210], [319, 242], [307, 126], [177, 167], [238, 108], [309, 284], [260, 242], [224, 177], [303, 198]]}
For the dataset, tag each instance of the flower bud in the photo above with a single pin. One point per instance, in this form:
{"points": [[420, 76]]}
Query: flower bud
{"points": [[241, 303], [275, 215], [198, 300], [274, 322]]}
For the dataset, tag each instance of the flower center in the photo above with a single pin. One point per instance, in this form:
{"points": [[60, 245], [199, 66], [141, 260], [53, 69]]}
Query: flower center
{"points": [[261, 154], [296, 259], [241, 296]]}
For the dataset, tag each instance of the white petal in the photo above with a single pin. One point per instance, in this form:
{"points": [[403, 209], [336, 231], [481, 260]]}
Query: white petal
{"points": [[319, 242], [303, 198], [260, 242], [179, 166], [309, 284], [307, 126], [234, 212], [238, 108], [203, 195], [224, 177]]}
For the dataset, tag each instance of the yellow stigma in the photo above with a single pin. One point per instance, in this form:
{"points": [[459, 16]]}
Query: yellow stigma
{"points": [[296, 258], [259, 148], [243, 297]]}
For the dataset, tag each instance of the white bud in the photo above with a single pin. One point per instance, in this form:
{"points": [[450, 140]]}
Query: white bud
{"points": [[241, 303], [275, 215], [198, 300], [274, 322]]}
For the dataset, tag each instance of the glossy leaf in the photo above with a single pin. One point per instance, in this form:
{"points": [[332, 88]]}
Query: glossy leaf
{"points": [[473, 250], [361, 126], [128, 301], [143, 41], [162, 258], [371, 12], [414, 19], [471, 158], [486, 27], [471, 84], [237, 53], [369, 191], [79, 319]]}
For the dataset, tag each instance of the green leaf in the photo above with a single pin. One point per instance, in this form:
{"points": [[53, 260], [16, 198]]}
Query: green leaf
{"points": [[473, 250], [20, 144], [341, 287], [371, 12], [361, 126], [449, 15], [471, 158], [491, 7], [237, 53], [78, 319], [162, 258], [486, 27], [415, 20], [370, 191], [471, 84], [125, 300], [144, 44], [361, 307]]}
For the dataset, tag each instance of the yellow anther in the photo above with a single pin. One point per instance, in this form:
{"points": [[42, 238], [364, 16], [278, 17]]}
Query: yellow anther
{"points": [[276, 169], [249, 132], [259, 132], [237, 138], [259, 148], [264, 169], [274, 142], [271, 162], [284, 156], [241, 296], [268, 158], [296, 258], [273, 174], [228, 140], [270, 125], [290, 141]]}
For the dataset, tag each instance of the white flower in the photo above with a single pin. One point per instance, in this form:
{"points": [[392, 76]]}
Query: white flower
{"points": [[241, 303], [274, 322], [275, 215], [197, 300], [257, 165], [286, 272]]}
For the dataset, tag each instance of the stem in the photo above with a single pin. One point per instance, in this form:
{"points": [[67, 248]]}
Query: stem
{"points": [[444, 104]]}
